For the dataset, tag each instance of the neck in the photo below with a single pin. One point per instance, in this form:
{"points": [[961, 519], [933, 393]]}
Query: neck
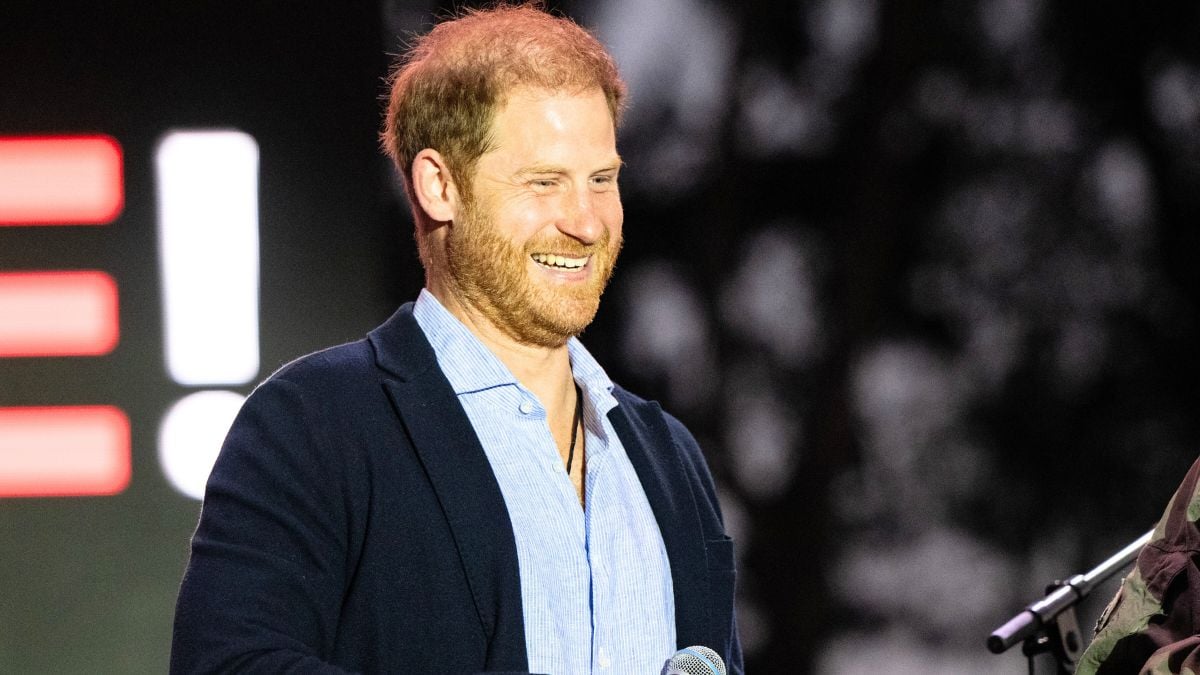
{"points": [[545, 371]]}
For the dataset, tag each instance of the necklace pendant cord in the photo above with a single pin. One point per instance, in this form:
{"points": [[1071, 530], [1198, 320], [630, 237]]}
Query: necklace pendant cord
{"points": [[575, 426]]}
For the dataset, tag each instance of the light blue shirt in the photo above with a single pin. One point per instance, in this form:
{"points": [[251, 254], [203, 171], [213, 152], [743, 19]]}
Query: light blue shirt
{"points": [[595, 581]]}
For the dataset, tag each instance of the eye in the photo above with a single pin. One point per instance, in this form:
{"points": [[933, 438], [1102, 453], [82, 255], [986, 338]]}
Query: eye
{"points": [[604, 181], [543, 184]]}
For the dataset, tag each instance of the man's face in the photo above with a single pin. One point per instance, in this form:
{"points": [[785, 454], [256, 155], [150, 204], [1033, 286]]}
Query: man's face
{"points": [[537, 239]]}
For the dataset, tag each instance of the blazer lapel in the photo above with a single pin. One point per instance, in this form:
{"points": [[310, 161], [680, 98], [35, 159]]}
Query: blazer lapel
{"points": [[655, 458], [462, 478]]}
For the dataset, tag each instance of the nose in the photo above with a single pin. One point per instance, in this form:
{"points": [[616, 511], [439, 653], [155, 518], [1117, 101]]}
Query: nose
{"points": [[581, 219]]}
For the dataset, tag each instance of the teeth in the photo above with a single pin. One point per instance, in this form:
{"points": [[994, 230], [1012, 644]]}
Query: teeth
{"points": [[559, 261]]}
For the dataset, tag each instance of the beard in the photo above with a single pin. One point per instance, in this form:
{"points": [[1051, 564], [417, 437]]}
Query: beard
{"points": [[491, 275]]}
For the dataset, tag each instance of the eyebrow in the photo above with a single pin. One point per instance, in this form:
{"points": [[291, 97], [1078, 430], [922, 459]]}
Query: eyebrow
{"points": [[535, 169]]}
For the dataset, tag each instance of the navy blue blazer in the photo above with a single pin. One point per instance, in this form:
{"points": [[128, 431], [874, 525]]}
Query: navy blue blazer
{"points": [[352, 523]]}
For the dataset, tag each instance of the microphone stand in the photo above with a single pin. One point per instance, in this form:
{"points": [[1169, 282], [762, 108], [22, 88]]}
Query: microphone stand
{"points": [[1050, 624]]}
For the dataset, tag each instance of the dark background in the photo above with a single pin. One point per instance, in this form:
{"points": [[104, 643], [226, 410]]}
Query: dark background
{"points": [[919, 275]]}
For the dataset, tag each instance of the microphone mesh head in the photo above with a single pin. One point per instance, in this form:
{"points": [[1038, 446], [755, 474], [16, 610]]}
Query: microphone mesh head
{"points": [[696, 661]]}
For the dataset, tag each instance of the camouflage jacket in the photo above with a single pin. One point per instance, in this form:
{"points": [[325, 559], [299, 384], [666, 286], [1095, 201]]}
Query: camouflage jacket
{"points": [[1152, 626]]}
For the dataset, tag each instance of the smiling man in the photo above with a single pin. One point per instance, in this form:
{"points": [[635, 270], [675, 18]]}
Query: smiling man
{"points": [[465, 490]]}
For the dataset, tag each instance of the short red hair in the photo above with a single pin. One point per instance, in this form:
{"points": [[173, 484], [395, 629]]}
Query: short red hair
{"points": [[446, 89]]}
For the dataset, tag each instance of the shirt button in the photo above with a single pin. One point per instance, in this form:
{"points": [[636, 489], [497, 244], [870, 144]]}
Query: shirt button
{"points": [[604, 660], [526, 407]]}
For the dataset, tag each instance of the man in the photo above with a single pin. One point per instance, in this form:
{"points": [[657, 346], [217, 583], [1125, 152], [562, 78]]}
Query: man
{"points": [[465, 490], [1152, 626]]}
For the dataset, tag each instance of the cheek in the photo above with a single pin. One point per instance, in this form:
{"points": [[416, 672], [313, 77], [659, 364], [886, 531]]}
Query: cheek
{"points": [[527, 221], [517, 227], [613, 217]]}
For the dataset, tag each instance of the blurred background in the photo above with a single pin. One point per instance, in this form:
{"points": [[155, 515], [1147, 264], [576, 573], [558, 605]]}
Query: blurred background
{"points": [[920, 276]]}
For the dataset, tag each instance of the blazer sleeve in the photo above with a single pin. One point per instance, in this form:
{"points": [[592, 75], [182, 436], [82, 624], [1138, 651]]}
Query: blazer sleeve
{"points": [[718, 546], [266, 576]]}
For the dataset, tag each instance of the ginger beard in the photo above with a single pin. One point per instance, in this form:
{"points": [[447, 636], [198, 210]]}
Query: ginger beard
{"points": [[495, 276]]}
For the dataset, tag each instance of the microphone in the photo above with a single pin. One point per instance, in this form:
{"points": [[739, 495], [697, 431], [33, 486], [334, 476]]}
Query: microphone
{"points": [[694, 661]]}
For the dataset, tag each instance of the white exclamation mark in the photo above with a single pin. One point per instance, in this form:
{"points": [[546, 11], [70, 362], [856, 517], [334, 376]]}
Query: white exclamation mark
{"points": [[208, 256]]}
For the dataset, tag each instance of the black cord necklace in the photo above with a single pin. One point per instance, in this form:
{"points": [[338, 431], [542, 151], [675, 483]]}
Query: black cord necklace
{"points": [[575, 427]]}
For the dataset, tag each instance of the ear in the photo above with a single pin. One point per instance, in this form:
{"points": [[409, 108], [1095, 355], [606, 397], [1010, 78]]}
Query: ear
{"points": [[434, 187]]}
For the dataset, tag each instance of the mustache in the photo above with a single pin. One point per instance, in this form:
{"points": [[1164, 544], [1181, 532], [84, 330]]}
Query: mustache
{"points": [[570, 247]]}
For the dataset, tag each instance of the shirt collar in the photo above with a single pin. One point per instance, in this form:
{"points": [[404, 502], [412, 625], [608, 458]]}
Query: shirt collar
{"points": [[590, 377], [470, 366]]}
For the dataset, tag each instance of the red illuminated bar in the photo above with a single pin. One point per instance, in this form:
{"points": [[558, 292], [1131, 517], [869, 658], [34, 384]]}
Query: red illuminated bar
{"points": [[64, 451], [60, 180], [60, 313]]}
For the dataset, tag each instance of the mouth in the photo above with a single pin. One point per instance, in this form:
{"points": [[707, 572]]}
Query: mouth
{"points": [[560, 263]]}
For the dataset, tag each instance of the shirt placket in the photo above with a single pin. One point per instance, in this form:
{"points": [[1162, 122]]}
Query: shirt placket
{"points": [[553, 476], [598, 528]]}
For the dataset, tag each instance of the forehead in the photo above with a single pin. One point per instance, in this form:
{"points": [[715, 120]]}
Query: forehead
{"points": [[544, 125]]}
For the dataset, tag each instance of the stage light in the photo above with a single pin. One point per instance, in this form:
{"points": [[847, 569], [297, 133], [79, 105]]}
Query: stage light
{"points": [[208, 245], [58, 313], [190, 437], [60, 180], [63, 451]]}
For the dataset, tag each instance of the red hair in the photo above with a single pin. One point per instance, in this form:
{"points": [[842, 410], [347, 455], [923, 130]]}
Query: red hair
{"points": [[446, 89]]}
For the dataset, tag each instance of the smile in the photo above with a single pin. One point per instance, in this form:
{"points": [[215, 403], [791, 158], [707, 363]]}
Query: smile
{"points": [[559, 262]]}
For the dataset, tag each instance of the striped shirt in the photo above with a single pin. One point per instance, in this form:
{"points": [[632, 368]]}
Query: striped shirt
{"points": [[595, 580]]}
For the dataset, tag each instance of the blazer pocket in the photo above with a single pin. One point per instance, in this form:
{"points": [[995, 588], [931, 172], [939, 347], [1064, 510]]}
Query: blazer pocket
{"points": [[719, 553], [721, 582]]}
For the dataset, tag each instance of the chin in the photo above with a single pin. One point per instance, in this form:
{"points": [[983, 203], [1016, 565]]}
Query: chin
{"points": [[556, 323]]}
